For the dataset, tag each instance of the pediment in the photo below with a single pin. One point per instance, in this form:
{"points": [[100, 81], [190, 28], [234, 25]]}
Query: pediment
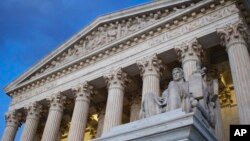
{"points": [[102, 32]]}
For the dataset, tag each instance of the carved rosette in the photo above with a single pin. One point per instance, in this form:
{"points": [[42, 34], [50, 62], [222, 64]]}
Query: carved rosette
{"points": [[191, 50], [150, 65], [230, 34], [13, 118], [84, 92], [57, 101], [117, 78], [34, 110]]}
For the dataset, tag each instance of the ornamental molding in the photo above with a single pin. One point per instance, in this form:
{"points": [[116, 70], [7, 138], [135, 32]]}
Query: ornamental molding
{"points": [[188, 19]]}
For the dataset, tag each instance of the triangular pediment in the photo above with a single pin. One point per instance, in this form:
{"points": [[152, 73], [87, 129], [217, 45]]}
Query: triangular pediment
{"points": [[102, 32]]}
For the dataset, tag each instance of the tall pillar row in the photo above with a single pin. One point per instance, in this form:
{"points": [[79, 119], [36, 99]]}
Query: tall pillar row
{"points": [[12, 123], [233, 37], [80, 113], [116, 82], [52, 127], [32, 120], [150, 69]]}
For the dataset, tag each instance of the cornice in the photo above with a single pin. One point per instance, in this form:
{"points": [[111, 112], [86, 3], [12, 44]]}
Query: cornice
{"points": [[153, 30]]}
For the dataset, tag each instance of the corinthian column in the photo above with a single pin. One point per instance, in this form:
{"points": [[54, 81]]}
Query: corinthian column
{"points": [[12, 122], [150, 68], [135, 106], [233, 37], [116, 82], [32, 121], [81, 111], [51, 130], [101, 114], [190, 55]]}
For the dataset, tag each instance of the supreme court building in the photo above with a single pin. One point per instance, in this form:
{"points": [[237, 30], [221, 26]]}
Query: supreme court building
{"points": [[113, 80]]}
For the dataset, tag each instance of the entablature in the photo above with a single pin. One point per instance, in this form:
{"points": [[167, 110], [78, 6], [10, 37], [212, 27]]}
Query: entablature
{"points": [[173, 26]]}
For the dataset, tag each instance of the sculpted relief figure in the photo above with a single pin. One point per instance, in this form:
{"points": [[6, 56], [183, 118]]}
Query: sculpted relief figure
{"points": [[177, 95]]}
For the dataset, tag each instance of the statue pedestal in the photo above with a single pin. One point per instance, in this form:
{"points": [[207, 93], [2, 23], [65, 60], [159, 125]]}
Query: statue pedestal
{"points": [[170, 126]]}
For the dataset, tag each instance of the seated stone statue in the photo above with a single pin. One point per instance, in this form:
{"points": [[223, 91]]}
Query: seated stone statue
{"points": [[177, 95]]}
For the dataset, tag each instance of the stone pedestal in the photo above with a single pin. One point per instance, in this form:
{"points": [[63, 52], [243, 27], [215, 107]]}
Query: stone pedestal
{"points": [[80, 114], [190, 55], [233, 37], [150, 68], [171, 126], [116, 81], [32, 121], [51, 130], [12, 122]]}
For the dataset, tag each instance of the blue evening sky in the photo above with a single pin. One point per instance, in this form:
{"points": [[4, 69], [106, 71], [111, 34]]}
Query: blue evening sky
{"points": [[30, 29]]}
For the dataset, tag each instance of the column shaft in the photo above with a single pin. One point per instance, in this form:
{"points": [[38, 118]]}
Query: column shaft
{"points": [[240, 68], [100, 122], [113, 116], [116, 82], [233, 37], [32, 121], [9, 133], [150, 68], [52, 127], [80, 114]]}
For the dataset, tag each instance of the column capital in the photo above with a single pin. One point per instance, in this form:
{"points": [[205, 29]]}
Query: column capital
{"points": [[233, 32], [34, 110], [84, 90], [149, 65], [190, 50], [57, 101], [117, 78], [13, 118]]}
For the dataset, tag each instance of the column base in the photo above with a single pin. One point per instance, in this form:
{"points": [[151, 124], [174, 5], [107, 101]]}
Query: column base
{"points": [[170, 126]]}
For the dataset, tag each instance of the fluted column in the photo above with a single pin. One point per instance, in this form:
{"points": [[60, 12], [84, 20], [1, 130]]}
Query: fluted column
{"points": [[116, 82], [32, 121], [12, 122], [81, 111], [190, 55], [51, 130], [150, 68], [101, 114], [233, 37], [135, 106]]}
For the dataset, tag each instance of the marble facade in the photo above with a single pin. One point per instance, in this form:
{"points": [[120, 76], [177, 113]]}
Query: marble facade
{"points": [[110, 78]]}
